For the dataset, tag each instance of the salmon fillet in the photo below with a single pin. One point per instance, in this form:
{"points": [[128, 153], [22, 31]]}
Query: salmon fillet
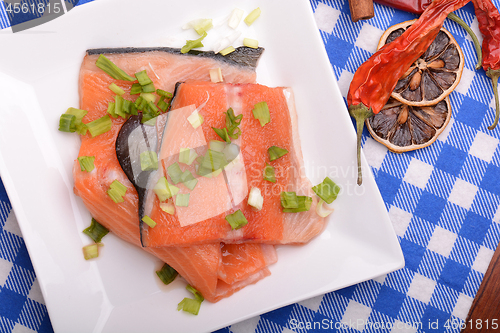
{"points": [[203, 266], [269, 225]]}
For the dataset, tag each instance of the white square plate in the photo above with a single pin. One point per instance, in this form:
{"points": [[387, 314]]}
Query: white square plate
{"points": [[119, 292]]}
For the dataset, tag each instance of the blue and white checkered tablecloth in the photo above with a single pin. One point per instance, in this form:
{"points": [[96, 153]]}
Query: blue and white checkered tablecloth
{"points": [[444, 202]]}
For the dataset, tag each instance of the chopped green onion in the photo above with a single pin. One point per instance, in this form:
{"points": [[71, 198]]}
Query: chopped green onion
{"points": [[231, 151], [236, 220], [117, 90], [119, 106], [217, 145], [227, 50], [148, 88], [216, 75], [154, 107], [182, 200], [162, 105], [202, 26], [133, 109], [143, 78], [164, 93], [67, 123], [197, 295], [162, 189], [213, 160], [235, 18], [304, 204], [127, 106], [232, 123], [136, 89], [138, 102], [91, 251], [249, 42], [112, 70], [261, 112], [321, 210], [327, 190], [276, 152], [100, 126], [269, 174], [167, 274], [187, 156], [222, 133], [149, 221], [195, 119], [96, 231], [149, 160], [254, 14], [71, 121], [192, 44], [189, 305], [255, 198], [289, 200], [86, 163], [175, 173], [111, 110], [149, 97], [116, 191], [188, 180], [167, 207]]}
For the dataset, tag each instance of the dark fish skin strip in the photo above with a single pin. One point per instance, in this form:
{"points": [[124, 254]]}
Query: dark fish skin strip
{"points": [[241, 56]]}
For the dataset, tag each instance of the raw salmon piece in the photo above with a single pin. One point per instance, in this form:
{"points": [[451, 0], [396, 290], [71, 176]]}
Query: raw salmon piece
{"points": [[200, 264], [269, 225]]}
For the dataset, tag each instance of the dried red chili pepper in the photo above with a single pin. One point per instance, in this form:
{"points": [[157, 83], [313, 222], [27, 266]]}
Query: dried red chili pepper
{"points": [[376, 78], [412, 6], [488, 18]]}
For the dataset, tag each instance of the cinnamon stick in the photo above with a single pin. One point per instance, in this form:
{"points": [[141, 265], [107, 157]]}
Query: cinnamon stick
{"points": [[361, 9]]}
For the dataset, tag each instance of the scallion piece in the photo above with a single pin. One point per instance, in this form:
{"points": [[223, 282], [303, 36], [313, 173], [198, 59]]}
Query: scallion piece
{"points": [[117, 90], [217, 145], [149, 97], [111, 110], [167, 207], [269, 173], [162, 189], [249, 42], [133, 109], [175, 173], [276, 152], [67, 123], [222, 133], [71, 121], [119, 106], [255, 198], [254, 14], [189, 305], [149, 221], [143, 78], [112, 70], [138, 102], [213, 160], [148, 88], [236, 220], [197, 295], [289, 200], [216, 75], [116, 191], [167, 274], [162, 105], [232, 123], [188, 180], [231, 151], [321, 210], [86, 163], [227, 50], [235, 18], [195, 119], [304, 204], [261, 112], [99, 126], [202, 26], [187, 156], [149, 160], [192, 44], [327, 190], [164, 93], [91, 251], [96, 231], [136, 89], [182, 200]]}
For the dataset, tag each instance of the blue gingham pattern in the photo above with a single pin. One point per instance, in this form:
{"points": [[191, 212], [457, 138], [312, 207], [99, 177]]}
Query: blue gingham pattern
{"points": [[443, 200]]}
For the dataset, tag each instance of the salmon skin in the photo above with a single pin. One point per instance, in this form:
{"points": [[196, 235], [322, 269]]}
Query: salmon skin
{"points": [[203, 266], [204, 220]]}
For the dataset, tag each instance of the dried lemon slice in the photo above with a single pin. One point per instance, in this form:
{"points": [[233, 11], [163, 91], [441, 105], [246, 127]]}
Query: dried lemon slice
{"points": [[401, 127], [434, 75]]}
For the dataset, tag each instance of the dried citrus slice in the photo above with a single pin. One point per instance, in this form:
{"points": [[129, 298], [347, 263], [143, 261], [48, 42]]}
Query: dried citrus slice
{"points": [[434, 75], [401, 127]]}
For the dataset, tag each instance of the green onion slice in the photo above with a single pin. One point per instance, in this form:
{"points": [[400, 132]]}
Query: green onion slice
{"points": [[91, 251], [276, 152], [117, 90], [192, 44], [96, 231], [162, 105], [149, 221], [255, 198], [187, 156], [188, 180], [116, 191], [232, 123], [143, 78], [189, 305], [168, 207], [289, 200], [67, 123], [112, 70], [163, 189], [202, 26], [321, 210], [227, 50], [327, 190], [175, 173], [71, 121], [167, 274], [135, 89], [100, 126], [213, 160], [304, 204], [164, 93], [254, 14], [111, 110], [195, 119], [119, 106], [182, 200], [149, 97], [149, 160], [86, 163], [148, 88], [269, 173], [217, 145], [222, 133], [197, 295], [261, 112], [249, 42], [236, 220]]}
